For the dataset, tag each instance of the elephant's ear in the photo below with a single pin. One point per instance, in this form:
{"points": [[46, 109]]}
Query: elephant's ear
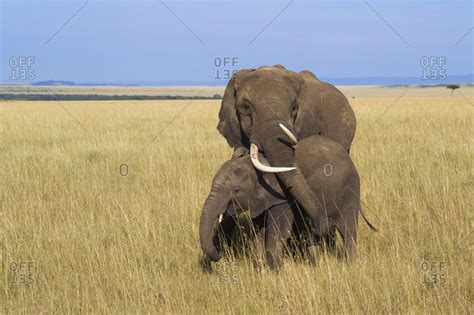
{"points": [[308, 121], [267, 194], [229, 125], [323, 110]]}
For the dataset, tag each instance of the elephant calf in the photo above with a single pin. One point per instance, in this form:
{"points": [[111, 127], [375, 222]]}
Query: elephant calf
{"points": [[237, 186]]}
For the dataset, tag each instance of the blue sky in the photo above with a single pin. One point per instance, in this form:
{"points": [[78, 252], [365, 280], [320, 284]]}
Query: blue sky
{"points": [[140, 41]]}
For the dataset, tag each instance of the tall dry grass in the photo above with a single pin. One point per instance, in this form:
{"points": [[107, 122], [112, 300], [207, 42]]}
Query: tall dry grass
{"points": [[93, 239]]}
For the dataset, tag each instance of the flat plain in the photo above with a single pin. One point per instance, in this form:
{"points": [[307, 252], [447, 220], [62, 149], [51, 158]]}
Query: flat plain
{"points": [[100, 206]]}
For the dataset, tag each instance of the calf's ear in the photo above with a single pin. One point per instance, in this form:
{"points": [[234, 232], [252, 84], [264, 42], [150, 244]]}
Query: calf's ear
{"points": [[239, 152], [267, 194]]}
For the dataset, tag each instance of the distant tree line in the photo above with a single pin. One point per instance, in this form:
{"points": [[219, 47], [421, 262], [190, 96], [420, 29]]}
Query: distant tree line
{"points": [[97, 97], [449, 86]]}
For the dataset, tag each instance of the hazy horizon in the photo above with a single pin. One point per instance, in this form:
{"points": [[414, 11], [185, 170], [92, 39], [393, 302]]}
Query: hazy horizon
{"points": [[356, 81]]}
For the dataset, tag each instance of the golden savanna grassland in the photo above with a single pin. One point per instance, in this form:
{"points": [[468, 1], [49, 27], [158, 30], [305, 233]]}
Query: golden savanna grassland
{"points": [[100, 205]]}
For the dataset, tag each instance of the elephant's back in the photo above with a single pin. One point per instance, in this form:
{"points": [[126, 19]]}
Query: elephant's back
{"points": [[320, 146]]}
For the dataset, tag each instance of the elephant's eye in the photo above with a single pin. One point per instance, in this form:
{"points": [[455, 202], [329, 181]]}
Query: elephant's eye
{"points": [[294, 110], [246, 107], [236, 189]]}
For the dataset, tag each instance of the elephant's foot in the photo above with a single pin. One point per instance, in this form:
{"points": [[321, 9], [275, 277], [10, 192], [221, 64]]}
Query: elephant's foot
{"points": [[312, 252], [329, 241], [349, 235], [274, 260], [350, 249]]}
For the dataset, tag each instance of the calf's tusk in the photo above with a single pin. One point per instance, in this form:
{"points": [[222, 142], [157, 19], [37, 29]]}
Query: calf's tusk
{"points": [[262, 167]]}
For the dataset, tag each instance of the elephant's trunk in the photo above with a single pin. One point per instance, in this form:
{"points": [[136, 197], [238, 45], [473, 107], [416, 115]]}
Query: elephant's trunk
{"points": [[279, 152], [212, 209]]}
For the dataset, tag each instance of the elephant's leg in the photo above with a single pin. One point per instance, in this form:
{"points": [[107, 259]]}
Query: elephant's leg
{"points": [[304, 242], [278, 227], [258, 248], [309, 242], [330, 240], [312, 251], [347, 226]]}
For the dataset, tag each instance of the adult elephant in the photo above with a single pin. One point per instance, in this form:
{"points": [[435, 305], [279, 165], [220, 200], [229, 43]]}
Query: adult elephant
{"points": [[257, 102]]}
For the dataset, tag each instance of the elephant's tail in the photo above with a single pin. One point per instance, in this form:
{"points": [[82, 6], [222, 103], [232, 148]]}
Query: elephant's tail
{"points": [[371, 226]]}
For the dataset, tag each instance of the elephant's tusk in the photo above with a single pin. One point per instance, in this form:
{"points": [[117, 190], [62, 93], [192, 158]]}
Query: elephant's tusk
{"points": [[220, 218], [262, 167], [289, 134]]}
